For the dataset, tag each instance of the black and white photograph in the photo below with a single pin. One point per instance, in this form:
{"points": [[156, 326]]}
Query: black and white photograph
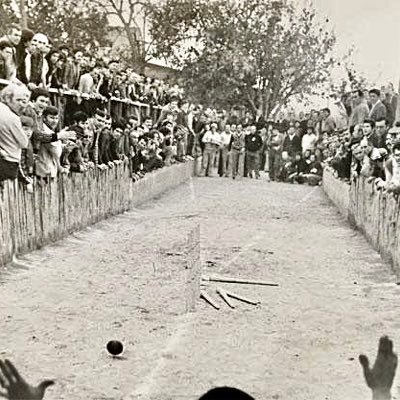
{"points": [[199, 199]]}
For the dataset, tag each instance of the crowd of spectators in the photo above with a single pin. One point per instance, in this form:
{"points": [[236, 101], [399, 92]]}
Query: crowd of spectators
{"points": [[39, 137], [370, 147], [32, 59]]}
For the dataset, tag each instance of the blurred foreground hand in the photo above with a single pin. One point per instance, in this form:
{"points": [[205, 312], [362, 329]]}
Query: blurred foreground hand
{"points": [[16, 388], [380, 378]]}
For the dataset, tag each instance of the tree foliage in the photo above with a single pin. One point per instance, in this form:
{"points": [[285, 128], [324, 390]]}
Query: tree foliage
{"points": [[133, 16], [257, 52], [70, 22]]}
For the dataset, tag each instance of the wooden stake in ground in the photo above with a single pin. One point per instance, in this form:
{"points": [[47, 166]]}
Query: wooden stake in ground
{"points": [[225, 297], [204, 295], [236, 280], [242, 298]]}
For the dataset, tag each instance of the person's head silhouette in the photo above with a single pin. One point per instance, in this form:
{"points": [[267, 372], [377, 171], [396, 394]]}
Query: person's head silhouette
{"points": [[226, 393]]}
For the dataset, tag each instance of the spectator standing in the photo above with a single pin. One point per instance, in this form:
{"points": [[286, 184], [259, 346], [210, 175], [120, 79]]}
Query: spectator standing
{"points": [[309, 140], [72, 71], [378, 137], [13, 36], [13, 101], [35, 65], [275, 153], [253, 145], [292, 143], [48, 160], [6, 60], [212, 141], [378, 110], [237, 149], [339, 114], [225, 159], [390, 112], [328, 124], [26, 167], [360, 110]]}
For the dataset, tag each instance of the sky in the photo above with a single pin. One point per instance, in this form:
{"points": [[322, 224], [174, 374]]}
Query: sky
{"points": [[373, 27]]}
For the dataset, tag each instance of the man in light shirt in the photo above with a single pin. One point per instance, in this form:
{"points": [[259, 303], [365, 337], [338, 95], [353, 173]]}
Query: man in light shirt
{"points": [[224, 159], [309, 140], [13, 101], [212, 141]]}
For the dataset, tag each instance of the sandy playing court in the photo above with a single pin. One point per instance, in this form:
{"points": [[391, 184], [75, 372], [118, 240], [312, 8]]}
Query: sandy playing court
{"points": [[125, 279]]}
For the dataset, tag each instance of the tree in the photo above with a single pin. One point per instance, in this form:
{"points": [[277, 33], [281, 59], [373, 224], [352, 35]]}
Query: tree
{"points": [[7, 15], [133, 15], [260, 53], [70, 22]]}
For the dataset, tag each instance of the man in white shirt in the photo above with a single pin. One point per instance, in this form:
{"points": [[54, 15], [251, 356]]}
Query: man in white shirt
{"points": [[309, 140], [212, 141], [13, 101], [224, 159]]}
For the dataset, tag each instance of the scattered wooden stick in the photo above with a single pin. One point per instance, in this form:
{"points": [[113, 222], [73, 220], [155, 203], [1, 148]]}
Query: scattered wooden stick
{"points": [[236, 280], [225, 297], [241, 298], [204, 295]]}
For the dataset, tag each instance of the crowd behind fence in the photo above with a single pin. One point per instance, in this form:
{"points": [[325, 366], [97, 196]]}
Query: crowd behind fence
{"points": [[66, 113]]}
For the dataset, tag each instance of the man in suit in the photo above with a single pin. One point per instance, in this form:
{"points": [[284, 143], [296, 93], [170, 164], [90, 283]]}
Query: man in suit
{"points": [[291, 143], [378, 110]]}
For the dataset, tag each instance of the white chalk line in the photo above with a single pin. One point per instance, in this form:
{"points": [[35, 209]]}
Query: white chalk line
{"points": [[145, 389], [306, 197]]}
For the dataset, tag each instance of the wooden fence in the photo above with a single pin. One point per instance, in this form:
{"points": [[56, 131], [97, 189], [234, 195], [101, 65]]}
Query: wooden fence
{"points": [[71, 203], [375, 213]]}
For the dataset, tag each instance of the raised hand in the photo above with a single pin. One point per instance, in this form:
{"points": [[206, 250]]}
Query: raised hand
{"points": [[380, 378], [16, 388]]}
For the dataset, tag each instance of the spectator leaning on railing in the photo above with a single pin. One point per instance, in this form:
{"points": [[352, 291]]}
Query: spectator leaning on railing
{"points": [[13, 101]]}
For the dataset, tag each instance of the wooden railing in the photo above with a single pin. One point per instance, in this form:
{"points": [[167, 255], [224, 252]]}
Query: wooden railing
{"points": [[374, 212], [71, 203]]}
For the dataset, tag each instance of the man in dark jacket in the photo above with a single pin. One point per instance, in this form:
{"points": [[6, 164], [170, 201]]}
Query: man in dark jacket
{"points": [[292, 142], [253, 145]]}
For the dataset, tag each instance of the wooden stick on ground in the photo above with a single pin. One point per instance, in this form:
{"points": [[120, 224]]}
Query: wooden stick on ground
{"points": [[225, 297], [236, 280], [204, 295], [241, 298]]}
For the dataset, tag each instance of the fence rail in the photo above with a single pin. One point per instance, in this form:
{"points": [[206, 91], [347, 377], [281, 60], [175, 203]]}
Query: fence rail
{"points": [[71, 203], [69, 100]]}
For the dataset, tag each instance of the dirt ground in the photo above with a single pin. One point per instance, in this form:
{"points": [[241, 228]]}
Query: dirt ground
{"points": [[125, 279]]}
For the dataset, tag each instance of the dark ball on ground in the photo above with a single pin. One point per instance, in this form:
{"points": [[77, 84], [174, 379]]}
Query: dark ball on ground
{"points": [[115, 347]]}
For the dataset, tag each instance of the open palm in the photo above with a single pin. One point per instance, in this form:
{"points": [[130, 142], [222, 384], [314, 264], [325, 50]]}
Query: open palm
{"points": [[16, 388], [380, 377]]}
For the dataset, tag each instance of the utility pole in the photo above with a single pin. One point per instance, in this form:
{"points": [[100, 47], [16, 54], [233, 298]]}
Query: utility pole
{"points": [[24, 17]]}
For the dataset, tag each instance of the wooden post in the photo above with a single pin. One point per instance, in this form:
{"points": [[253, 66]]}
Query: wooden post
{"points": [[204, 295], [193, 266], [236, 280], [242, 298], [225, 297]]}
